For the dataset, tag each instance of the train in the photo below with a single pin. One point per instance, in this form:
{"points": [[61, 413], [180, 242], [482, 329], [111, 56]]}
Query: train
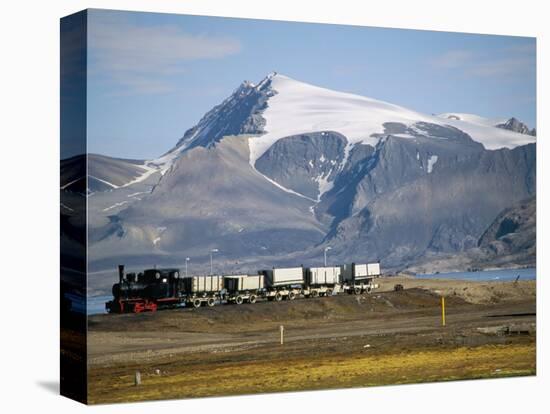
{"points": [[155, 289]]}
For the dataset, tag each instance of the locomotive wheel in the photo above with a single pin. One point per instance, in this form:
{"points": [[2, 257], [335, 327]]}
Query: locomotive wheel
{"points": [[357, 290], [314, 293], [291, 296], [369, 289], [278, 296], [239, 300], [211, 302], [329, 292], [252, 299], [197, 303]]}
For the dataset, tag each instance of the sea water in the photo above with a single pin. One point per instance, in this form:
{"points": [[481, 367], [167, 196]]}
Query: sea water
{"points": [[485, 275], [96, 304]]}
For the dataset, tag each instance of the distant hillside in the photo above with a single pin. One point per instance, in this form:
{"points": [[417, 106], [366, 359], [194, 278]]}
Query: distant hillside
{"points": [[508, 242], [513, 233]]}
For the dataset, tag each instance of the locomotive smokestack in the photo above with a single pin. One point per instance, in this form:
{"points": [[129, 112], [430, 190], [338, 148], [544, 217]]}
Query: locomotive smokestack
{"points": [[120, 273]]}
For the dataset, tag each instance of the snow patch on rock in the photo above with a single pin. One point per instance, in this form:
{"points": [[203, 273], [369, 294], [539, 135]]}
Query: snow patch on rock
{"points": [[324, 184], [431, 162]]}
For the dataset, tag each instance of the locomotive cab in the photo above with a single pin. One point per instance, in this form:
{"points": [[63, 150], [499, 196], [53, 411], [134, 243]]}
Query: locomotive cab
{"points": [[161, 283]]}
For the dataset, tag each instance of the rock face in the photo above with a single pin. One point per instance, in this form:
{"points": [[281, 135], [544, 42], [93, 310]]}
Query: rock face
{"points": [[411, 191], [517, 126], [307, 163]]}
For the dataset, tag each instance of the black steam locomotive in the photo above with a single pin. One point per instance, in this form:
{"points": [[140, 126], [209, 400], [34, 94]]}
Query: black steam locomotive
{"points": [[145, 291]]}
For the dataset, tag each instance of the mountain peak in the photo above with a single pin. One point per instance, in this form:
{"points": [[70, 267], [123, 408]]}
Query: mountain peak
{"points": [[514, 124], [267, 80]]}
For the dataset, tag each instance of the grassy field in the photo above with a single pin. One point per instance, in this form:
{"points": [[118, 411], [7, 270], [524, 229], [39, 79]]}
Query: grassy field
{"points": [[226, 376]]}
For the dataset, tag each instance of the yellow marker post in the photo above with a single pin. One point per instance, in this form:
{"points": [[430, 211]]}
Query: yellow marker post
{"points": [[442, 310], [282, 329]]}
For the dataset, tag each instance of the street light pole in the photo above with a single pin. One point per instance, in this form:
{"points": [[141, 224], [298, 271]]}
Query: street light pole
{"points": [[211, 267], [326, 250], [186, 261]]}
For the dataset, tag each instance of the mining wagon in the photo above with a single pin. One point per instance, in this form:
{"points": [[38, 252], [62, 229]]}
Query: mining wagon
{"points": [[359, 278], [322, 281], [243, 288], [283, 283], [202, 290]]}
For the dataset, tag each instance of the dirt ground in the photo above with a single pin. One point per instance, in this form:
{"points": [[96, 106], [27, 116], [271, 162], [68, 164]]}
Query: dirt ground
{"points": [[383, 338], [473, 292]]}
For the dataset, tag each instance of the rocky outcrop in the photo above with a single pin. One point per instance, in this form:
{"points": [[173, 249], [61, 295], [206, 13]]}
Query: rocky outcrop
{"points": [[515, 125]]}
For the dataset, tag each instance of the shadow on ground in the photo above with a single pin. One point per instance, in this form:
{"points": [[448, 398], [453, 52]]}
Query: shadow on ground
{"points": [[51, 386]]}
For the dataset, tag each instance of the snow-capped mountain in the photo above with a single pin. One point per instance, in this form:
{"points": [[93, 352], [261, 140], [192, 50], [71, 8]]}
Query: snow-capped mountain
{"points": [[281, 169], [279, 107]]}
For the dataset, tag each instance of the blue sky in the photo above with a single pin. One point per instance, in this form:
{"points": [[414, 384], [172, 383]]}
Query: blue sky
{"points": [[153, 76]]}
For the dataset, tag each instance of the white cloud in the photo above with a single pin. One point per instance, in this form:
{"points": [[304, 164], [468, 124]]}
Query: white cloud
{"points": [[142, 58], [510, 61], [453, 58], [506, 66]]}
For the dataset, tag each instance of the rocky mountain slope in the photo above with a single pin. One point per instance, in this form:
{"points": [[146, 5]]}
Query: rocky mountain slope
{"points": [[508, 242], [513, 232]]}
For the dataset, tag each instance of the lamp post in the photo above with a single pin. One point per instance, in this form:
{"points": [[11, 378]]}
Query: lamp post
{"points": [[326, 250], [211, 267], [186, 261]]}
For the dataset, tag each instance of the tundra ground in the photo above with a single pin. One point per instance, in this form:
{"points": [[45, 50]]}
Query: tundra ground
{"points": [[346, 341]]}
